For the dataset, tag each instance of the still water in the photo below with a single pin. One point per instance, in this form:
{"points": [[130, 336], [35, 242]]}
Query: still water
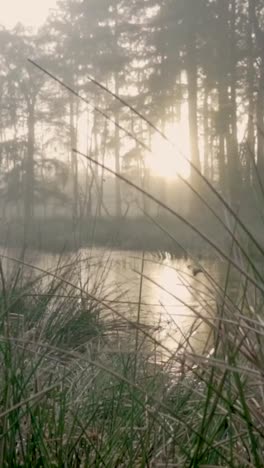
{"points": [[173, 301]]}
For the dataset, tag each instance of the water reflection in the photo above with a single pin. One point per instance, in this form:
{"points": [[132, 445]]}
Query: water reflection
{"points": [[173, 301]]}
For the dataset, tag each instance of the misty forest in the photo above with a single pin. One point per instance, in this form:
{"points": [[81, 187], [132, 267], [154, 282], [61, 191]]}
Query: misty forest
{"points": [[131, 235]]}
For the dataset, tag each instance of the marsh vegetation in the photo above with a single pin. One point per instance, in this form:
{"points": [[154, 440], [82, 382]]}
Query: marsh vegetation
{"points": [[132, 255]]}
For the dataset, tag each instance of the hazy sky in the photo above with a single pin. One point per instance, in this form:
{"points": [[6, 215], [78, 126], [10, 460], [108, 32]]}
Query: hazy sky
{"points": [[28, 12]]}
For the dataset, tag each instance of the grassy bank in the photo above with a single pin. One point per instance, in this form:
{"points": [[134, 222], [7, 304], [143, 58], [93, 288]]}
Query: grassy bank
{"points": [[83, 385]]}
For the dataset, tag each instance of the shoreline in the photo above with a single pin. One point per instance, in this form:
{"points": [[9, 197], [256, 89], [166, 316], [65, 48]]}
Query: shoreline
{"points": [[137, 234]]}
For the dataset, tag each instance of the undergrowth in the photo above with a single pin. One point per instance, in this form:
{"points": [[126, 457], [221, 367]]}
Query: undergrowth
{"points": [[82, 385]]}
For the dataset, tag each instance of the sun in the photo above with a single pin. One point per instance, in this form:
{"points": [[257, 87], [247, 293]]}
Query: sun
{"points": [[170, 160]]}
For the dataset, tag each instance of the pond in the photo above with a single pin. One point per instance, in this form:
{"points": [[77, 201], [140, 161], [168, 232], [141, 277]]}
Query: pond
{"points": [[174, 300]]}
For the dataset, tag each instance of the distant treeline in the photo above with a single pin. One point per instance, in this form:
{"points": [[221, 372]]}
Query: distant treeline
{"points": [[202, 60]]}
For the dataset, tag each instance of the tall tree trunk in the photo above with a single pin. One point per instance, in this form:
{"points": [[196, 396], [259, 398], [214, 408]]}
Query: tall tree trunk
{"points": [[228, 150], [118, 207], [260, 125], [206, 131], [222, 130], [74, 165], [88, 175], [259, 34], [191, 62], [233, 156], [29, 168], [223, 127], [95, 167], [250, 152], [102, 180]]}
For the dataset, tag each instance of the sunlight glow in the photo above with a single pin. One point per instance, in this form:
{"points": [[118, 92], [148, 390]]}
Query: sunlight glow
{"points": [[167, 161], [29, 12]]}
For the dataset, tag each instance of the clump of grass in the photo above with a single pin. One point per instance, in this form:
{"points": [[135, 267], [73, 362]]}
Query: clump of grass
{"points": [[70, 395], [82, 384]]}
